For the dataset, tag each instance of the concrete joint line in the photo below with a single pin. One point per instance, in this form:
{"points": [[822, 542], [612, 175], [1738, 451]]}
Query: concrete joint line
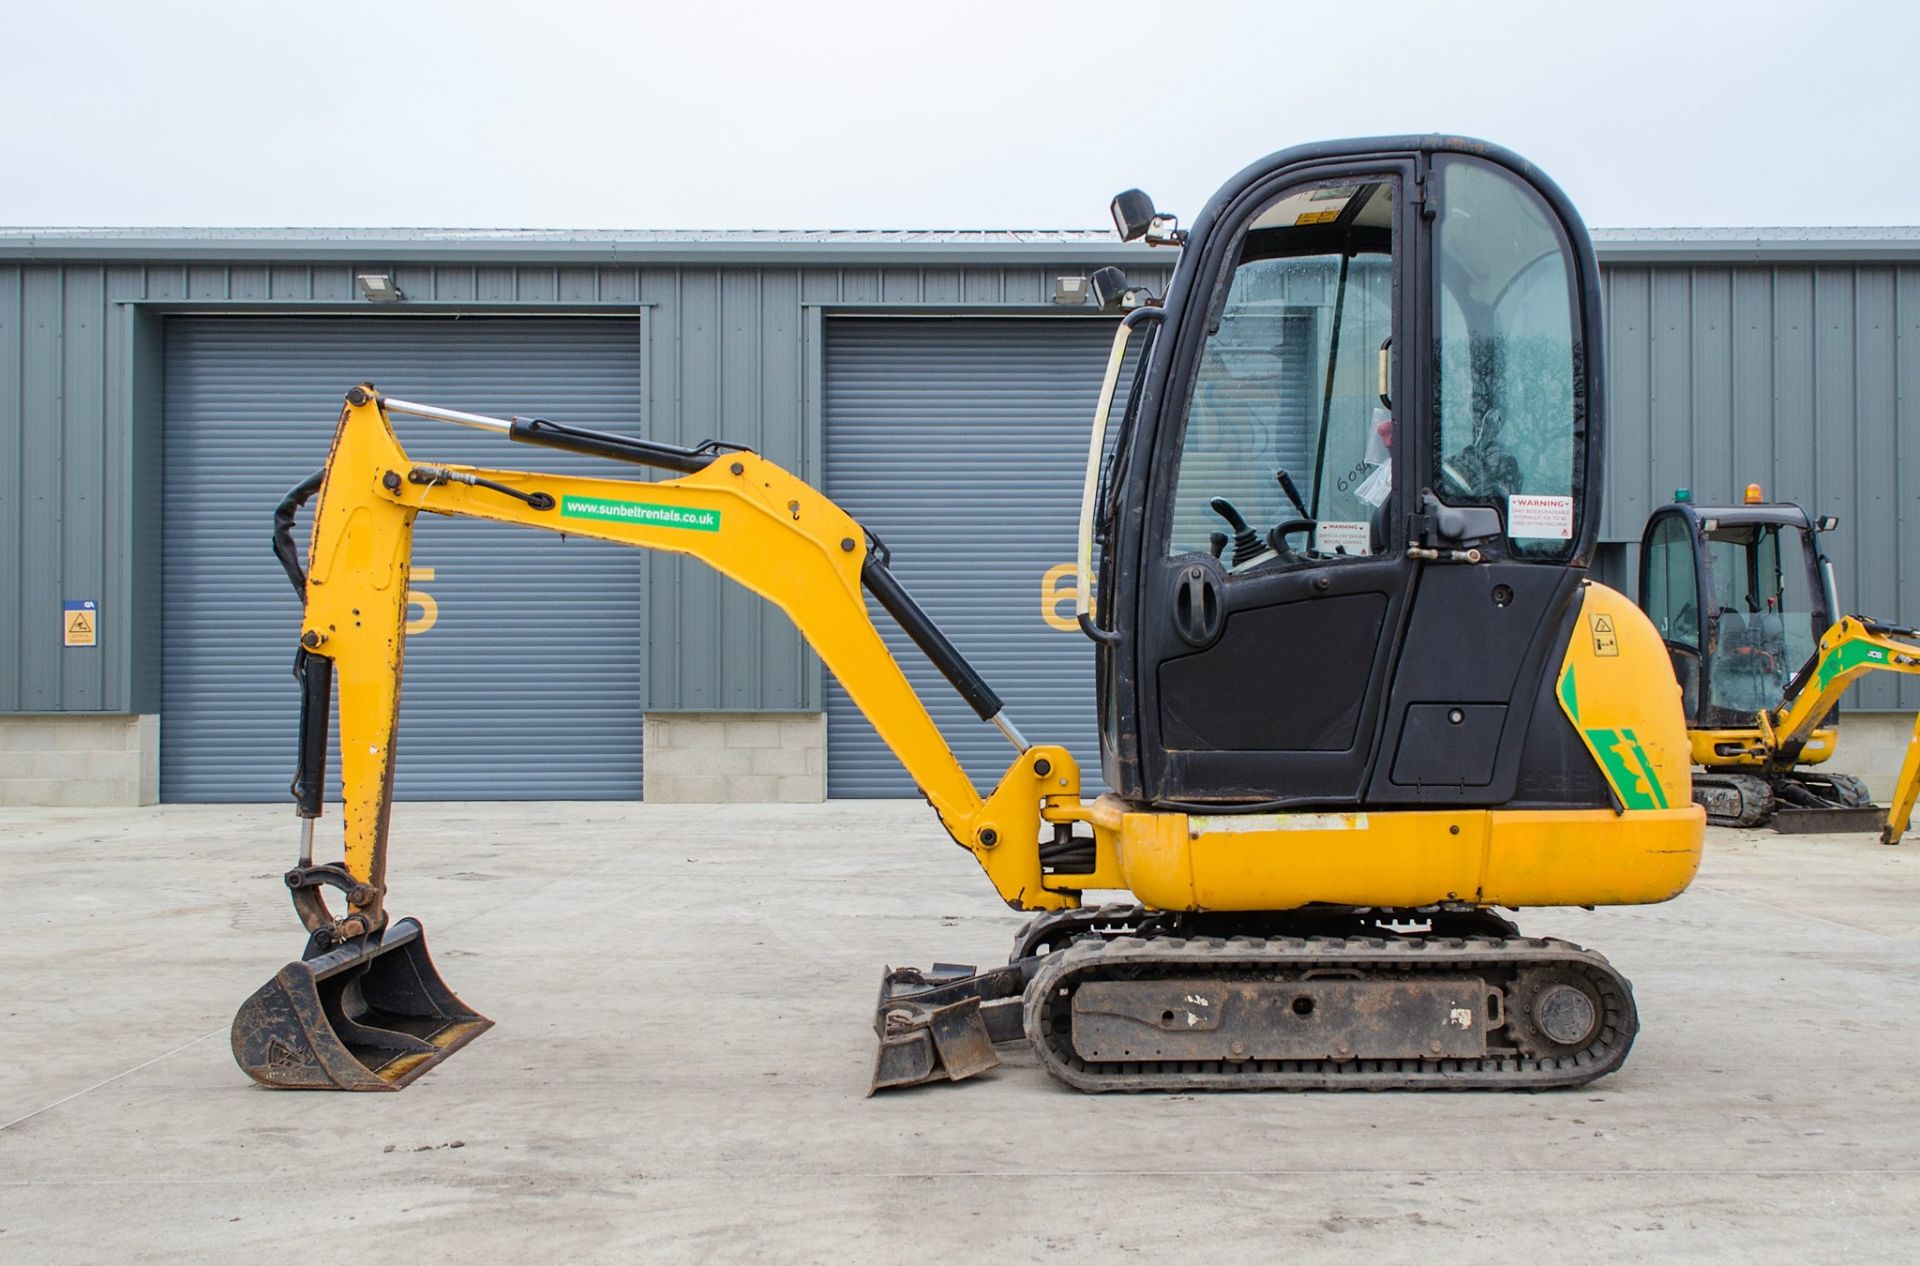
{"points": [[110, 1080]]}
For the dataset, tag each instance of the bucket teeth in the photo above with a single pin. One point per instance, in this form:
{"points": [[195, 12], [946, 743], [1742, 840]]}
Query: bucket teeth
{"points": [[369, 1014]]}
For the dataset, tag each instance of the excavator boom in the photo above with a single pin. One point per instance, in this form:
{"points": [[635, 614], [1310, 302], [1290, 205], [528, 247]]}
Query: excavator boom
{"points": [[729, 507], [736, 511]]}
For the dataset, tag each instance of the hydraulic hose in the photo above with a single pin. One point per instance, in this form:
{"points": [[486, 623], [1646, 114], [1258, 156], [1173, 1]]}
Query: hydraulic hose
{"points": [[289, 506]]}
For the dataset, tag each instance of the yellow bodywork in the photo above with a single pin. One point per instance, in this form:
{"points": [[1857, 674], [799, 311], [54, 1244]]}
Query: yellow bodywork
{"points": [[1625, 706], [779, 537], [1406, 858]]}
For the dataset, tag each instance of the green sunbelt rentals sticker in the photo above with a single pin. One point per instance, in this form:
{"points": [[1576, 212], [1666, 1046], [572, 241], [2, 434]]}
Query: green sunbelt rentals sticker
{"points": [[645, 513]]}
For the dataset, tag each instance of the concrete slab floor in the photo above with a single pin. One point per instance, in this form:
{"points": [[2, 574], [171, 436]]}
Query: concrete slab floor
{"points": [[681, 995]]}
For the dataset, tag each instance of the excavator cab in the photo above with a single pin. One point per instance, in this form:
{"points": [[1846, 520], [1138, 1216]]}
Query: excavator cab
{"points": [[1741, 595], [1337, 570]]}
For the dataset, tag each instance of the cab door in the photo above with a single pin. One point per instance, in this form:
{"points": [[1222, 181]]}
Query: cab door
{"points": [[1274, 569], [1673, 596]]}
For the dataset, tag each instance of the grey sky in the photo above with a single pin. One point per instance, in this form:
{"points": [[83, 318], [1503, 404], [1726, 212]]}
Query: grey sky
{"points": [[863, 115]]}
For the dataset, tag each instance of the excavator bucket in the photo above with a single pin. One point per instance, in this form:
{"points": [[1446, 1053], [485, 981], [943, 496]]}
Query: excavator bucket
{"points": [[368, 1014]]}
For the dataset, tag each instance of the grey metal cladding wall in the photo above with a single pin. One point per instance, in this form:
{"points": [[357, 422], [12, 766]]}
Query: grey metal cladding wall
{"points": [[730, 364], [528, 683], [961, 443], [1732, 359], [727, 354], [64, 486], [1805, 379]]}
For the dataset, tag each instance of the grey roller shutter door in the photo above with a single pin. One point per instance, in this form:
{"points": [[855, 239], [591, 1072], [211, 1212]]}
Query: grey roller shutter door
{"points": [[962, 444], [528, 684]]}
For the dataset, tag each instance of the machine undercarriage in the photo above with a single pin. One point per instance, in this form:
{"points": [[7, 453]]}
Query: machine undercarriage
{"points": [[1795, 801], [1120, 998]]}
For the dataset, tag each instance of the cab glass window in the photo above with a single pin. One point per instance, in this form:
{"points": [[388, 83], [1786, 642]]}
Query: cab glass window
{"points": [[1670, 594], [1672, 588], [1764, 609], [1508, 400], [1287, 382]]}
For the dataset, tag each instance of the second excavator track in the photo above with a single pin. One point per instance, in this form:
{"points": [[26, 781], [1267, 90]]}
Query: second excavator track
{"points": [[1517, 990]]}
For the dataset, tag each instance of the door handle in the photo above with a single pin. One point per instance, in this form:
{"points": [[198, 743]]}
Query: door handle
{"points": [[1197, 608]]}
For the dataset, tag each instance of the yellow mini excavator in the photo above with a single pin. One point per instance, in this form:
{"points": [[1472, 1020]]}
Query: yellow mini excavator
{"points": [[1355, 689], [1747, 606]]}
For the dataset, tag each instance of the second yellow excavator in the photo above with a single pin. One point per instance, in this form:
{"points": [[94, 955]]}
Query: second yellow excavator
{"points": [[1356, 691], [1750, 613]]}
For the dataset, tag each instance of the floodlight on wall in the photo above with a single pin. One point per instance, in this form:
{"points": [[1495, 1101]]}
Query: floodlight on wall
{"points": [[379, 288], [1068, 291]]}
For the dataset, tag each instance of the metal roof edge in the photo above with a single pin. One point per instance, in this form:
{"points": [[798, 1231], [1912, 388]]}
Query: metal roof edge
{"points": [[1772, 246], [394, 247], [372, 251]]}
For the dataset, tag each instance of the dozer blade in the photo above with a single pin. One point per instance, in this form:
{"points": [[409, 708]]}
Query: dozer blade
{"points": [[369, 1014], [1836, 821], [1810, 800], [932, 1025]]}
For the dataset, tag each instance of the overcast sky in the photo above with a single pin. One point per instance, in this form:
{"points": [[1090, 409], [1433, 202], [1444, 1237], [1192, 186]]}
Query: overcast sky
{"points": [[862, 115]]}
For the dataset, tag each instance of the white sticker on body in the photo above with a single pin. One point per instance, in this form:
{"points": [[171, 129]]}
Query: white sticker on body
{"points": [[1200, 824], [1531, 517], [1335, 537]]}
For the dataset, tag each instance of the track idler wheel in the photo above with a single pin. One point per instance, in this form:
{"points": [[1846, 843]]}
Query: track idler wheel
{"points": [[1552, 1011], [368, 1014]]}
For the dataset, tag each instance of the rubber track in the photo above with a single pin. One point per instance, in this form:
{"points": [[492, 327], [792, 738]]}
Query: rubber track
{"points": [[1048, 1014], [1754, 792], [1117, 918]]}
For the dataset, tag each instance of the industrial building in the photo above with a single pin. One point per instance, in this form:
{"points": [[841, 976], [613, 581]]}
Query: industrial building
{"points": [[161, 389]]}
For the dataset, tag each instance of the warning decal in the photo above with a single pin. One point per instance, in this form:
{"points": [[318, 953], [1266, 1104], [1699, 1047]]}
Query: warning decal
{"points": [[1604, 641], [1531, 516], [79, 623], [1332, 537]]}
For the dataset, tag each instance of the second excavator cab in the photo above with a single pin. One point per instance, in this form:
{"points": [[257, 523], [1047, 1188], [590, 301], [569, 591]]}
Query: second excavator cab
{"points": [[1741, 596]]}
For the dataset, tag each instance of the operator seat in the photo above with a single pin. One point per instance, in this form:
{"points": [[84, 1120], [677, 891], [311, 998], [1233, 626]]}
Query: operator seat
{"points": [[1746, 672]]}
